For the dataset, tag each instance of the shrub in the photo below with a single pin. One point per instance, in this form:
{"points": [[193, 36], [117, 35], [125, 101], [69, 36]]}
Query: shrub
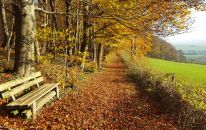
{"points": [[57, 73], [90, 67]]}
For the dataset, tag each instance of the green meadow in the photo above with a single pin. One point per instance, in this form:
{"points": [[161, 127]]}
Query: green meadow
{"points": [[186, 71]]}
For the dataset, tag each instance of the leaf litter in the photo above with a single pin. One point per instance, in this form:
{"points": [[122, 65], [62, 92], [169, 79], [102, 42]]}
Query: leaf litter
{"points": [[106, 100]]}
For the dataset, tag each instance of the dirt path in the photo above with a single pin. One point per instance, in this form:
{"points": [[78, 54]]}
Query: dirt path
{"points": [[107, 100]]}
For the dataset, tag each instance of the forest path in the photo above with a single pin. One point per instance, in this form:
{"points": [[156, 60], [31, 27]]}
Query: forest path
{"points": [[107, 100]]}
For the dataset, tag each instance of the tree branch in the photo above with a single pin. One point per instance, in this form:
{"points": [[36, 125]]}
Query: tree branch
{"points": [[58, 13]]}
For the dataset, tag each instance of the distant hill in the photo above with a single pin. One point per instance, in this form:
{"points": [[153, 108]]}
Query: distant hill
{"points": [[194, 53], [185, 48]]}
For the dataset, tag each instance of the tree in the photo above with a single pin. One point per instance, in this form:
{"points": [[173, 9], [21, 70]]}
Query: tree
{"points": [[181, 56], [4, 23], [25, 37], [163, 50]]}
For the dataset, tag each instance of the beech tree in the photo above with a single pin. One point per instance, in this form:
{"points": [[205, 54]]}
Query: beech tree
{"points": [[25, 37]]}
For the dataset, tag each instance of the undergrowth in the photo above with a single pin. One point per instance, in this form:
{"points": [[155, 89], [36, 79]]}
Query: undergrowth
{"points": [[184, 99], [53, 70], [58, 72]]}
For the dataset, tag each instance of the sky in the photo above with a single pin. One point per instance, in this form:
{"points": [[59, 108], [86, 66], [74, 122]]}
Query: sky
{"points": [[197, 33]]}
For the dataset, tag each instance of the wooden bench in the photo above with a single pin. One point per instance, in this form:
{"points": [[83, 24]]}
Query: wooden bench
{"points": [[37, 94]]}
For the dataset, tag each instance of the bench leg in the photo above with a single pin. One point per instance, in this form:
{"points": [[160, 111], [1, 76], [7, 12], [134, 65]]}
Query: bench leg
{"points": [[57, 92], [34, 110]]}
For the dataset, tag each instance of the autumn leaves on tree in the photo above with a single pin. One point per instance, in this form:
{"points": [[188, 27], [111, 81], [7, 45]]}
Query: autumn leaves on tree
{"points": [[81, 31]]}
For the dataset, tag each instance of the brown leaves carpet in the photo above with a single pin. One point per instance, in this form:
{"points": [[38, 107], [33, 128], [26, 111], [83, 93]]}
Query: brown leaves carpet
{"points": [[107, 100]]}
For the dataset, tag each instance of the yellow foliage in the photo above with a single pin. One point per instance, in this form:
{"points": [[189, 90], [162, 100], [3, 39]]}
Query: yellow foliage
{"points": [[45, 59]]}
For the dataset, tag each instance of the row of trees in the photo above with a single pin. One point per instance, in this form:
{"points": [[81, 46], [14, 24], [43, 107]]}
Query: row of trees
{"points": [[162, 49], [86, 28]]}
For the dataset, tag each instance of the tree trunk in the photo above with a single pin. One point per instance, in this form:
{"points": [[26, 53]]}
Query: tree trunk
{"points": [[94, 52], [54, 20], [9, 48], [100, 55], [93, 42], [4, 24], [37, 50], [77, 41], [25, 37], [84, 59], [9, 43], [67, 6], [133, 47], [45, 22], [85, 28], [68, 25], [84, 44]]}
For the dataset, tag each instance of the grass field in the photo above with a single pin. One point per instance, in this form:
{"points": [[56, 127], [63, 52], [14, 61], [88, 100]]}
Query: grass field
{"points": [[190, 72]]}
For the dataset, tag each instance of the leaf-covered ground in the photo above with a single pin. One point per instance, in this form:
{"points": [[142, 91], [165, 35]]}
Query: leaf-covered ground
{"points": [[107, 100]]}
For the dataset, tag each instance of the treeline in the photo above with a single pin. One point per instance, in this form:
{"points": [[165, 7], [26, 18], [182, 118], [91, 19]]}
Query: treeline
{"points": [[80, 31], [162, 49]]}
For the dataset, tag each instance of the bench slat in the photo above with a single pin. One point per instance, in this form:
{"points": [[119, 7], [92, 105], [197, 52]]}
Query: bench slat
{"points": [[28, 95], [19, 81], [34, 98], [28, 99], [22, 87], [41, 102]]}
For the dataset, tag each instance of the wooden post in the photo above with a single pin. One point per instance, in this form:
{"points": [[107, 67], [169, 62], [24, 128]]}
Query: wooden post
{"points": [[57, 92], [37, 83], [34, 110], [13, 98], [26, 114]]}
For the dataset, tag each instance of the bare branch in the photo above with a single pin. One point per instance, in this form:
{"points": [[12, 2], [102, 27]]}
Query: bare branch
{"points": [[58, 13]]}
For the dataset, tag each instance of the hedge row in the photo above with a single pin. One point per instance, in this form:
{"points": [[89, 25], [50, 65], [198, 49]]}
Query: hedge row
{"points": [[185, 100]]}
